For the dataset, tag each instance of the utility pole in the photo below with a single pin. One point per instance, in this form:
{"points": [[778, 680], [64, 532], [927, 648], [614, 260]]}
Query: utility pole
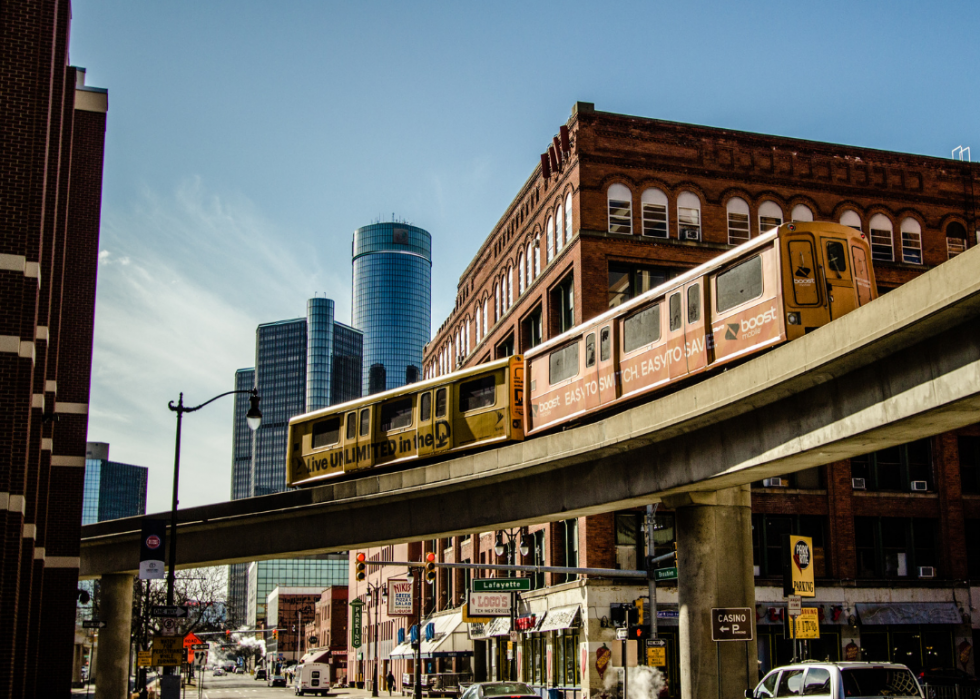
{"points": [[417, 690], [651, 568]]}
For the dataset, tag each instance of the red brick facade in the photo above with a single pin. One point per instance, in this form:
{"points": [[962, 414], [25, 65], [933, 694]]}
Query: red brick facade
{"points": [[51, 148]]}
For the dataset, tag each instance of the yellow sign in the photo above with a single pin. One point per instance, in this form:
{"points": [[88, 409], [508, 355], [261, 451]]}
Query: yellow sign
{"points": [[657, 657], [807, 625], [801, 565], [474, 619], [144, 658], [168, 650]]}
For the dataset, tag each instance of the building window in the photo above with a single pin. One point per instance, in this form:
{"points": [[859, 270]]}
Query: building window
{"points": [[551, 239], [510, 286], [688, 216], [911, 241], [478, 319], [520, 273], [496, 302], [955, 239], [902, 469], [560, 227], [654, 209], [486, 307], [530, 263], [568, 216], [770, 216], [563, 301], [768, 532], [531, 329], [881, 238], [851, 219], [972, 532], [738, 221], [969, 448], [627, 281], [620, 201], [802, 213], [506, 347], [537, 256], [894, 547]]}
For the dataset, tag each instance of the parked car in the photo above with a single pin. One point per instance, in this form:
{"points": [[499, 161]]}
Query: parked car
{"points": [[511, 690], [948, 677], [312, 678], [260, 674], [853, 680], [217, 672], [239, 670]]}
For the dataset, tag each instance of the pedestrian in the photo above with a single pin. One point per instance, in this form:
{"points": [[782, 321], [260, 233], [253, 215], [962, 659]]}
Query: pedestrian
{"points": [[390, 681]]}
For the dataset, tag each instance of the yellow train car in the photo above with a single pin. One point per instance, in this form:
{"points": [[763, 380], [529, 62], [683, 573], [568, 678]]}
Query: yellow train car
{"points": [[452, 413]]}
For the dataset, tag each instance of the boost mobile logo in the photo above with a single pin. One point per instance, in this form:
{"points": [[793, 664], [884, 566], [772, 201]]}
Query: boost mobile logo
{"points": [[732, 332]]}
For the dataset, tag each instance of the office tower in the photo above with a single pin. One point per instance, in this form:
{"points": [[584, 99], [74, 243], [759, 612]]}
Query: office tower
{"points": [[112, 490], [392, 302], [300, 365]]}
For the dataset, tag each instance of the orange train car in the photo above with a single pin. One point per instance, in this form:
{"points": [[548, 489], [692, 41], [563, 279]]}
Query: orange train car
{"points": [[774, 288]]}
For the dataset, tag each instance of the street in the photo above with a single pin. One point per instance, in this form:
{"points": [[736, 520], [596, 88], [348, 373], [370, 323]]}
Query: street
{"points": [[230, 686]]}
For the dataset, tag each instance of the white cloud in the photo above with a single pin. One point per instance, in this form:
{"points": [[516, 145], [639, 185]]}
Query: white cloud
{"points": [[183, 282]]}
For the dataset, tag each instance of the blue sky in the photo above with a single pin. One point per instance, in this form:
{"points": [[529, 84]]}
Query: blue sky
{"points": [[246, 141]]}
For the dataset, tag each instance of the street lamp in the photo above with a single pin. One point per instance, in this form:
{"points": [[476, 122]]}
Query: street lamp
{"points": [[499, 548], [254, 419], [380, 593]]}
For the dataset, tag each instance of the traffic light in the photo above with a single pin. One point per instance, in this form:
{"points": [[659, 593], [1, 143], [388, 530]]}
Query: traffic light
{"points": [[430, 568], [637, 633], [228, 633], [275, 633], [639, 610], [360, 566], [675, 554]]}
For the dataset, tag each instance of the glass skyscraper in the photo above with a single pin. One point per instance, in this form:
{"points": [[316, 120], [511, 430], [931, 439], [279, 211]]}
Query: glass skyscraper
{"points": [[300, 365], [392, 302], [112, 490]]}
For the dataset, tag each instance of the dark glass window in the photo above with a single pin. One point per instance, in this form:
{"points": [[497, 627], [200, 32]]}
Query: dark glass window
{"points": [[642, 328], [675, 311], [477, 394], [351, 425], [894, 547], [739, 284], [396, 414], [506, 347], [694, 303], [425, 407], [326, 432], [768, 532], [441, 402], [531, 330], [366, 422], [563, 363], [627, 281], [972, 532], [969, 448], [836, 257], [564, 303], [902, 469], [817, 682], [605, 344], [590, 350]]}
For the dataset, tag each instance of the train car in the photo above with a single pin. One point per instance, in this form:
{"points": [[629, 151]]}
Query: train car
{"points": [[774, 288], [464, 410]]}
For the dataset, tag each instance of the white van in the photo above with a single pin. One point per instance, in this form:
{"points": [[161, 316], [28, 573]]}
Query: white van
{"points": [[312, 678]]}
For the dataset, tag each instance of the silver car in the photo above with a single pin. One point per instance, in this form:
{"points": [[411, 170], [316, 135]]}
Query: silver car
{"points": [[850, 680]]}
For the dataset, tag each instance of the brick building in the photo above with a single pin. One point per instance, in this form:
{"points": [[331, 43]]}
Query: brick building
{"points": [[620, 204], [329, 628], [52, 129], [289, 610]]}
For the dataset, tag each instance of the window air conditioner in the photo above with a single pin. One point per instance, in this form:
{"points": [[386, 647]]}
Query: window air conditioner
{"points": [[927, 572], [774, 483], [920, 486], [857, 484], [690, 234]]}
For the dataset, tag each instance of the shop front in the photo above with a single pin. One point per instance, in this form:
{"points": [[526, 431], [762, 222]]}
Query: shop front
{"points": [[445, 653], [548, 655]]}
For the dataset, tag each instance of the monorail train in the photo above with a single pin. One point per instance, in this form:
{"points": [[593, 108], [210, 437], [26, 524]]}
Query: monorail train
{"points": [[771, 289]]}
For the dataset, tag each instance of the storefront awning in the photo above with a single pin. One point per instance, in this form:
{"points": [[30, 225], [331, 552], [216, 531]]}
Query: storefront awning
{"points": [[498, 627], [560, 618], [402, 650], [449, 640], [317, 655], [912, 613]]}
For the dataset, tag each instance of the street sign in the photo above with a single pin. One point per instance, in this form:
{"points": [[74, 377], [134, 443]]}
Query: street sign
{"points": [[93, 624], [144, 658], [401, 598], [168, 650], [490, 603], [732, 624], [169, 627], [665, 574], [168, 612], [795, 604], [656, 652], [355, 631], [470, 619], [199, 646], [622, 633], [798, 566], [515, 636], [806, 625], [501, 585]]}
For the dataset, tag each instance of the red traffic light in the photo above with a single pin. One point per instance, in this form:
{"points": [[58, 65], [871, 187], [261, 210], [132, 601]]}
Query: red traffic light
{"points": [[430, 557], [360, 557], [227, 633]]}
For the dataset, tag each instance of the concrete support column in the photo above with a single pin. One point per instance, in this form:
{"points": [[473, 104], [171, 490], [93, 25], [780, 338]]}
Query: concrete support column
{"points": [[714, 562], [116, 610]]}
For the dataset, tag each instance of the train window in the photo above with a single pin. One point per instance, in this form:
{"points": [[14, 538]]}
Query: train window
{"points": [[441, 403], [564, 363], [396, 414], [366, 422], [641, 328], [590, 350], [480, 393], [326, 432], [836, 257], [425, 407], [739, 284], [605, 344], [351, 425], [675, 311], [694, 303]]}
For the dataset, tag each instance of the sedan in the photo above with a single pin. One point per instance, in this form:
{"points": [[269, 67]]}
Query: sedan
{"points": [[511, 690]]}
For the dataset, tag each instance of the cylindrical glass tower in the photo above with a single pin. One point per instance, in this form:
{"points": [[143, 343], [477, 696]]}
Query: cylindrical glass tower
{"points": [[392, 301], [319, 352]]}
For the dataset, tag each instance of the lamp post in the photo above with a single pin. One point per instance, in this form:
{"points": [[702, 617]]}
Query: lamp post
{"points": [[254, 419], [380, 593], [510, 547]]}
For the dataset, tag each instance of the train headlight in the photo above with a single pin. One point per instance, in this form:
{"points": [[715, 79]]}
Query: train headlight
{"points": [[794, 318]]}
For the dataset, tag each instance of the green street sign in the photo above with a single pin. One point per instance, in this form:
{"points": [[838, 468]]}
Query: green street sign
{"points": [[357, 603], [355, 632], [502, 585], [665, 574]]}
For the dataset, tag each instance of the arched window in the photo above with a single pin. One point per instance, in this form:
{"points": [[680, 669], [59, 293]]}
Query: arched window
{"points": [[520, 273], [468, 346], [620, 201], [560, 226], [654, 209], [770, 216], [738, 221], [850, 218], [881, 238], [537, 256], [688, 216], [568, 216], [802, 213], [478, 324], [486, 307], [496, 302], [956, 239], [551, 239], [911, 241], [530, 263], [510, 286]]}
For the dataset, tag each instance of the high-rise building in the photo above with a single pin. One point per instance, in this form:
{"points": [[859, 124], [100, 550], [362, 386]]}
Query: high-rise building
{"points": [[112, 490], [392, 302], [52, 133], [300, 365]]}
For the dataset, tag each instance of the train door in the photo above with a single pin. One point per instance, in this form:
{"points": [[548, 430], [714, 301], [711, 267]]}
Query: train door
{"points": [[864, 285], [365, 428], [837, 275], [675, 334], [426, 440], [591, 374], [442, 431], [803, 290], [697, 356], [351, 452], [608, 383]]}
